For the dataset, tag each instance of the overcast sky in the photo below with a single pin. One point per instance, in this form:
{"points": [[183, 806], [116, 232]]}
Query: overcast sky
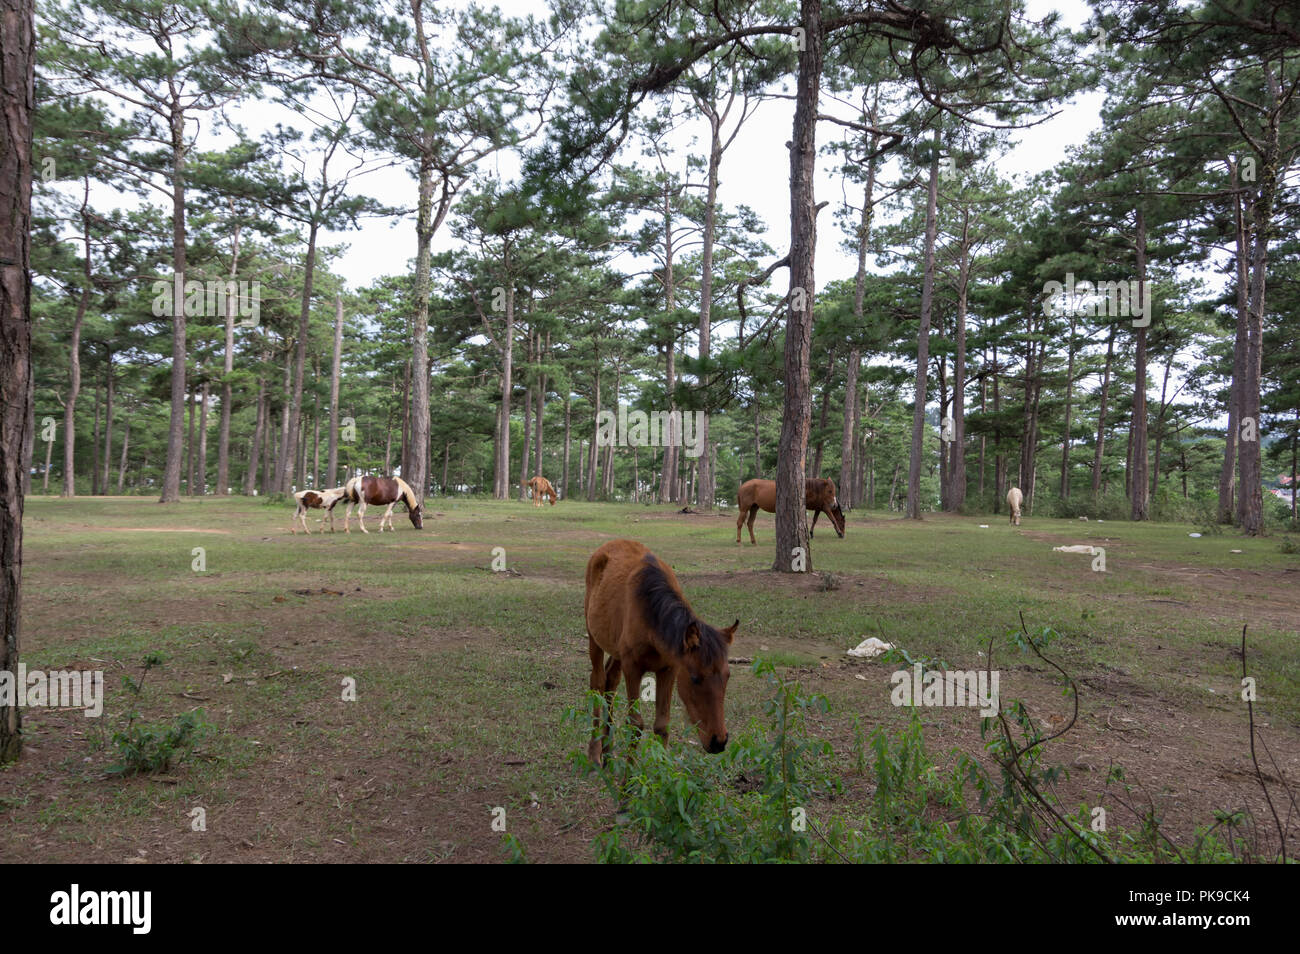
{"points": [[755, 172]]}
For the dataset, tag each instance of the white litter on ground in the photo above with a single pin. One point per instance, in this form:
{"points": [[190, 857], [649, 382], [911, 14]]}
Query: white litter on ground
{"points": [[984, 526], [1193, 534], [1234, 551], [870, 648], [1077, 548]]}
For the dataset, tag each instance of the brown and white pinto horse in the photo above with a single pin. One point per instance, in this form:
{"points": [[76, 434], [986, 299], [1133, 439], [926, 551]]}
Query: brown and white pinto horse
{"points": [[636, 613], [541, 487], [819, 494], [315, 500], [378, 491]]}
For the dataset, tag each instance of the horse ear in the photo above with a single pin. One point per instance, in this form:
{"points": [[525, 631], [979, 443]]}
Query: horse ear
{"points": [[730, 631], [691, 638]]}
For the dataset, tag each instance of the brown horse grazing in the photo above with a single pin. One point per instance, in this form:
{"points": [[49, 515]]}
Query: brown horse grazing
{"points": [[636, 613], [318, 500], [377, 491], [541, 487], [819, 494]]}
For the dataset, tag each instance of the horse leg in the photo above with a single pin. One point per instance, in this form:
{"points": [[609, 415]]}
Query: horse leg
{"points": [[663, 702], [632, 677], [753, 513], [361, 516], [816, 514], [598, 683], [387, 515]]}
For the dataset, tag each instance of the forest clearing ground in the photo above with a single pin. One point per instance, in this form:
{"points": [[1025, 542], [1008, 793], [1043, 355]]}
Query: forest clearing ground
{"points": [[463, 675]]}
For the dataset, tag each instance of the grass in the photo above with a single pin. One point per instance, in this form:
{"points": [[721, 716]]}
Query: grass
{"points": [[463, 675]]}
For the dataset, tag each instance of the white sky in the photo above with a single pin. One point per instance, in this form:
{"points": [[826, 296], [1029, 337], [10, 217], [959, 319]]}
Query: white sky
{"points": [[755, 172]]}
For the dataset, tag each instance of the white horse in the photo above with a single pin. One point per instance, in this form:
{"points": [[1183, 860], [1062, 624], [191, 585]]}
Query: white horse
{"points": [[1014, 499], [315, 500]]}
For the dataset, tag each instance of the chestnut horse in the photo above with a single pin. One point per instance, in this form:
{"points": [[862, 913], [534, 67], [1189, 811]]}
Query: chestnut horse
{"points": [[315, 500], [819, 495], [378, 491], [541, 487], [636, 613]]}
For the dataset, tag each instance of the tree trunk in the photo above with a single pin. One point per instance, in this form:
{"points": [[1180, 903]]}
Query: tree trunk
{"points": [[228, 368], [424, 229], [202, 484], [1140, 493], [300, 357], [17, 424], [923, 338], [74, 359], [1228, 474], [108, 422], [706, 481], [1064, 492], [189, 448], [254, 447], [568, 440], [822, 418], [284, 452], [171, 480], [502, 477], [849, 433], [792, 550], [957, 446], [126, 442], [332, 467], [541, 405], [1100, 448]]}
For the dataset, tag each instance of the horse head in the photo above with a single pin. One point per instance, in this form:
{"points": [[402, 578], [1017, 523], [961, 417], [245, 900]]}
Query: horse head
{"points": [[417, 516], [837, 517], [702, 675]]}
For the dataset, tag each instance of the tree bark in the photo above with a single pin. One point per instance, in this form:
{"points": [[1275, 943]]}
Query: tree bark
{"points": [[17, 425], [1228, 474], [792, 549], [74, 357], [126, 442], [228, 368], [202, 476], [171, 481], [1100, 448], [333, 466], [1069, 398], [1139, 490], [923, 339], [108, 421]]}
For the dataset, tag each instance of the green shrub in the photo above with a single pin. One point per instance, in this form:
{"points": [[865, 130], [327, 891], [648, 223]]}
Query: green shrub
{"points": [[775, 796]]}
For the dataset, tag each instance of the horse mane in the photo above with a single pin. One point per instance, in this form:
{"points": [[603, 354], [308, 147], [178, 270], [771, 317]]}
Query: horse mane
{"points": [[408, 495], [670, 617]]}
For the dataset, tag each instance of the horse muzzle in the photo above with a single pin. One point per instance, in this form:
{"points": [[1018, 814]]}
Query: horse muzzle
{"points": [[716, 745]]}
